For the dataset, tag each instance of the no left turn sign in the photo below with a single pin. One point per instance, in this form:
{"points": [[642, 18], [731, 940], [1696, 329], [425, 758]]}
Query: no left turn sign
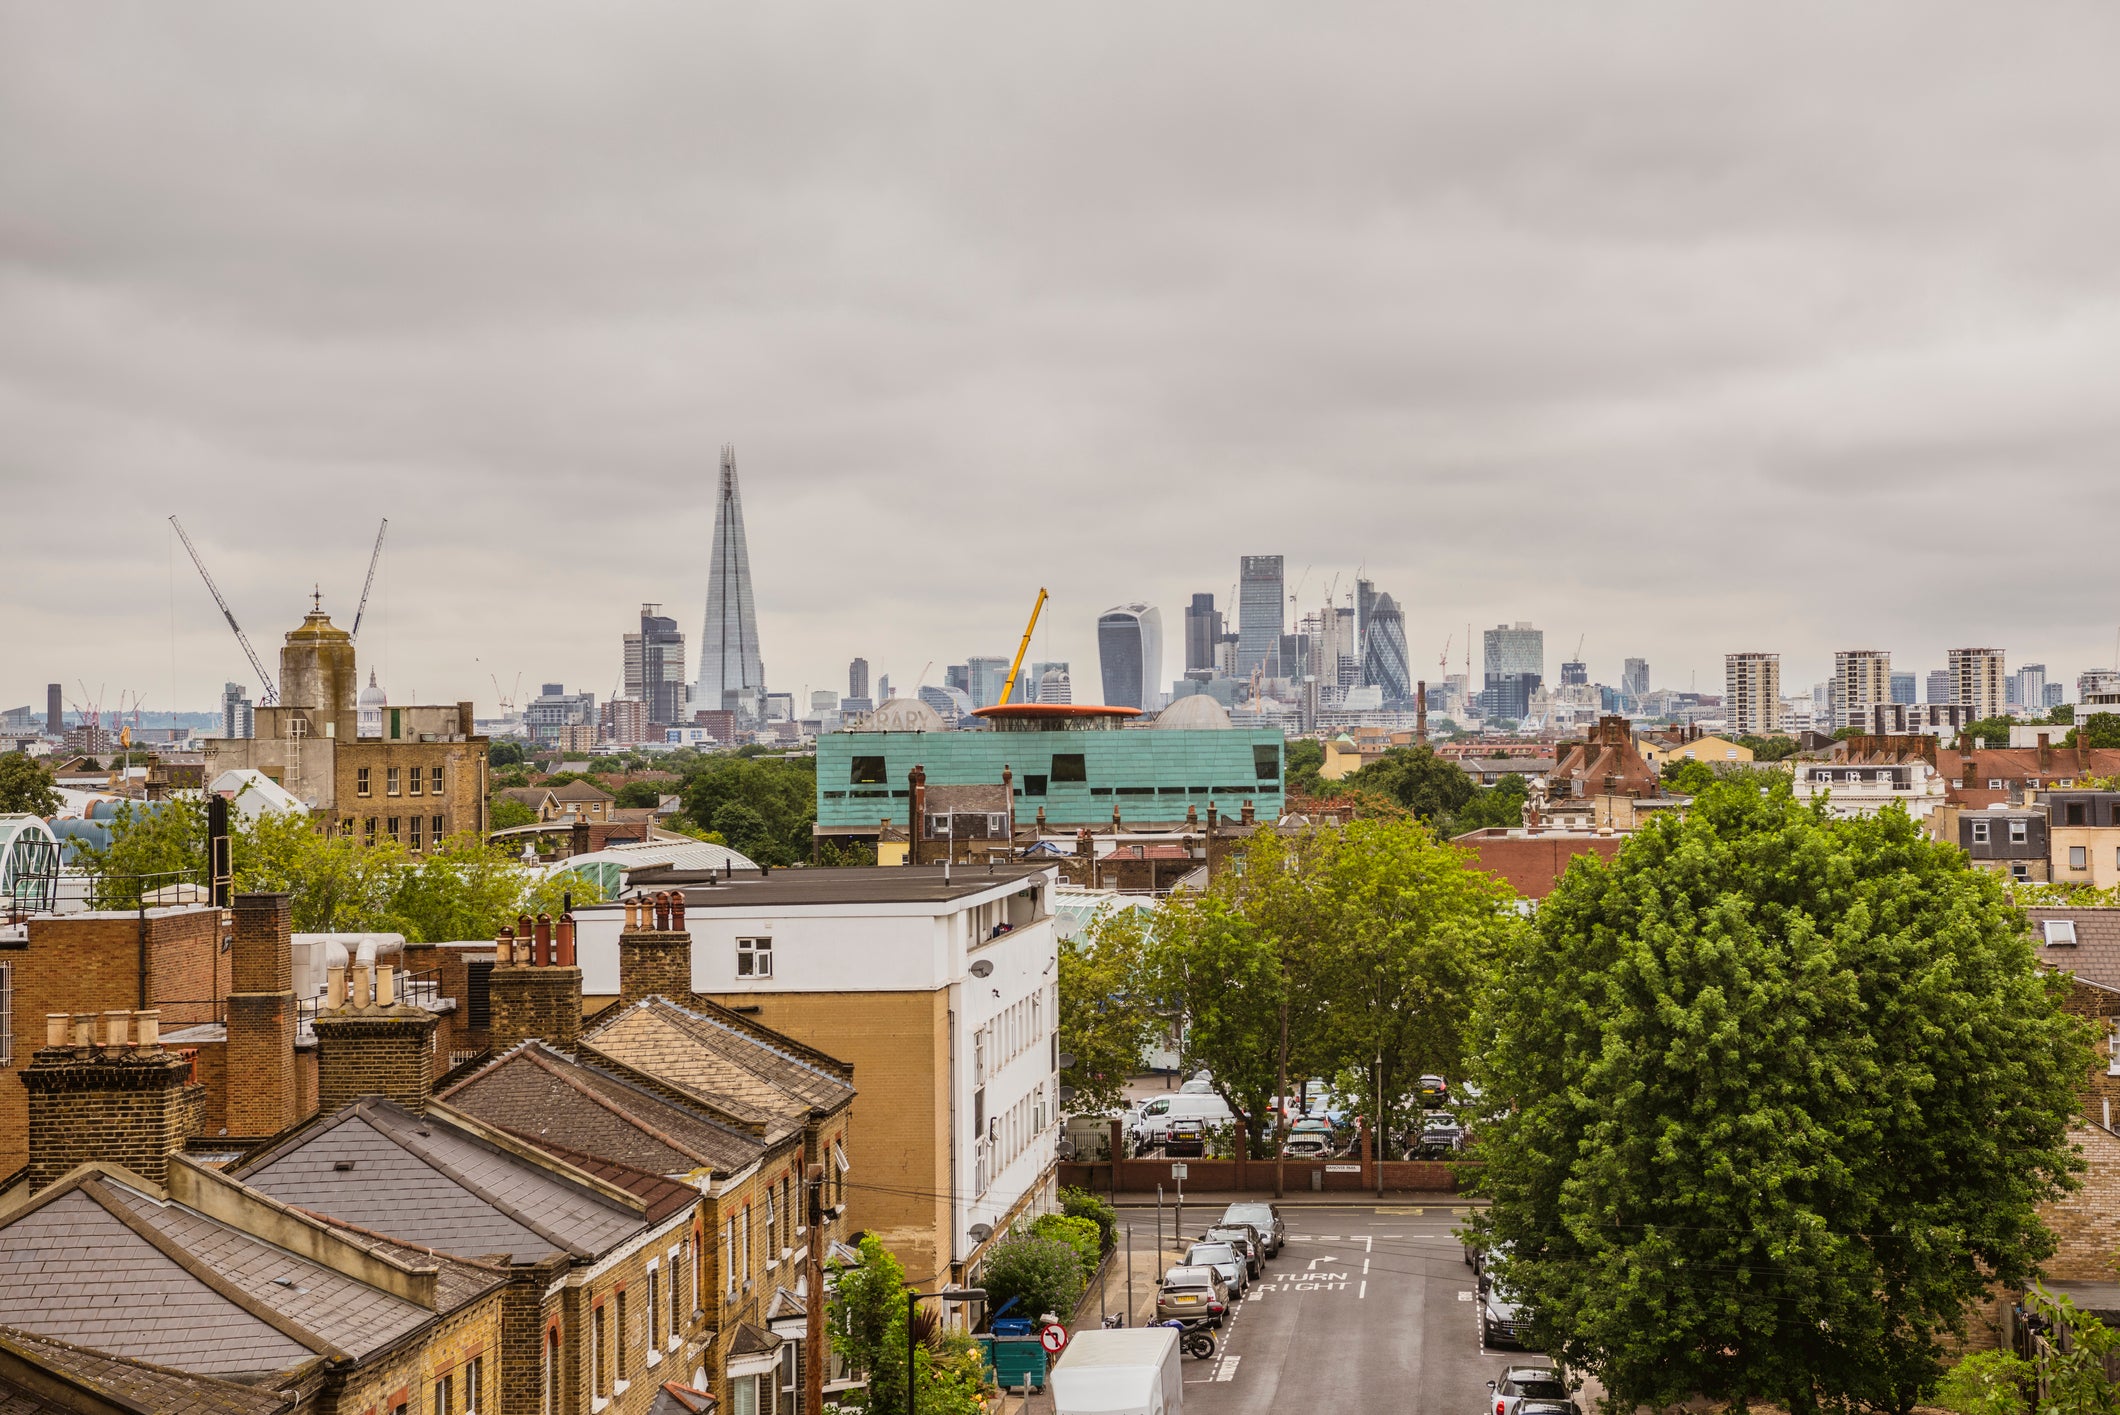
{"points": [[1053, 1338]]}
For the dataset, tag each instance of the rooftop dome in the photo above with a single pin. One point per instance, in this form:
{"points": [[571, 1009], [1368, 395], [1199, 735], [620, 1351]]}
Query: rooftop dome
{"points": [[373, 696], [369, 721], [1196, 712], [906, 715]]}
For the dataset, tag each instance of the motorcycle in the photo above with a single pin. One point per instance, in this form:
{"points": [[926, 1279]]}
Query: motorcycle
{"points": [[1195, 1337]]}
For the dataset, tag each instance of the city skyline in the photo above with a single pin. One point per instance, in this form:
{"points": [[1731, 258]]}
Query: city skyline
{"points": [[513, 391]]}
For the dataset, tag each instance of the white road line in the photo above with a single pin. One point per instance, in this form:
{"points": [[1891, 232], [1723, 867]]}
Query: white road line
{"points": [[1363, 1293], [1369, 1245], [1226, 1369], [1365, 1267]]}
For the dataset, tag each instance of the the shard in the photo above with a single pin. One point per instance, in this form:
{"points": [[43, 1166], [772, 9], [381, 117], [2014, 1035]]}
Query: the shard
{"points": [[731, 678]]}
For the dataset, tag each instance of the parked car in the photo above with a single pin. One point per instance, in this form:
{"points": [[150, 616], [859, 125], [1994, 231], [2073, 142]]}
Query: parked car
{"points": [[1309, 1146], [1264, 1219], [1434, 1091], [1156, 1116], [1531, 1390], [1502, 1318], [1200, 1083], [1185, 1138], [1245, 1239], [1479, 1257], [1440, 1135], [1313, 1125], [1189, 1293], [1224, 1259]]}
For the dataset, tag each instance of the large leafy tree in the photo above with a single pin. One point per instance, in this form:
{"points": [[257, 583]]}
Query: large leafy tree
{"points": [[26, 785], [2099, 729], [1418, 780], [762, 807], [1783, 1095], [1106, 1018], [868, 1329]]}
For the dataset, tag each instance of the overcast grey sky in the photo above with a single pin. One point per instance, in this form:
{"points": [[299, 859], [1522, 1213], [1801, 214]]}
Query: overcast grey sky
{"points": [[1688, 328]]}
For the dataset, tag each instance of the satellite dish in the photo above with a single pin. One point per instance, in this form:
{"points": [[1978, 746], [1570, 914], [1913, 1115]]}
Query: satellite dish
{"points": [[1064, 1060], [981, 1232], [982, 967], [1067, 1093], [1066, 1148]]}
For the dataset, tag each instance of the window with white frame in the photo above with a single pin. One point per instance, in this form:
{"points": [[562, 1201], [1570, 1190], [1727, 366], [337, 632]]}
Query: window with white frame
{"points": [[2112, 1047], [677, 1294], [728, 1253], [1980, 832], [2059, 932], [2079, 857], [2018, 832], [771, 1216], [754, 958], [7, 1014], [655, 1313], [474, 1385]]}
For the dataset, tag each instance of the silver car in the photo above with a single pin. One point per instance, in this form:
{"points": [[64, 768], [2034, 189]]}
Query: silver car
{"points": [[1224, 1259], [1263, 1217]]}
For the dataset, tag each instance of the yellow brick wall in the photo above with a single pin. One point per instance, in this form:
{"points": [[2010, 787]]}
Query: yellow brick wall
{"points": [[410, 1375], [898, 1137]]}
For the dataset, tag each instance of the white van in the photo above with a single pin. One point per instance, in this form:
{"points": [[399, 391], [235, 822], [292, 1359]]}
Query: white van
{"points": [[1154, 1118], [1131, 1371]]}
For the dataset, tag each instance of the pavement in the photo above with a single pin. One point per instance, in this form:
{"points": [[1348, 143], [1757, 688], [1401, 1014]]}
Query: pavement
{"points": [[1368, 1308]]}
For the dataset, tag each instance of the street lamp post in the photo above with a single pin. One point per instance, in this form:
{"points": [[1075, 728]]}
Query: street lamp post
{"points": [[912, 1300]]}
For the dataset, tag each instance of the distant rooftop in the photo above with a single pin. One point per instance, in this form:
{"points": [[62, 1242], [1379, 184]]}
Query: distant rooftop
{"points": [[858, 884]]}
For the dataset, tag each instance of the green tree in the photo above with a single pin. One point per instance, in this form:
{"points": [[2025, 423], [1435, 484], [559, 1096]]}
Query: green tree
{"points": [[2075, 1366], [1769, 749], [1688, 777], [1779, 1096], [2100, 729], [1303, 758], [1992, 731], [505, 754], [763, 807], [1080, 1234], [506, 813], [1082, 1203], [1106, 1016], [1403, 946], [1501, 804], [26, 785], [1986, 1383], [639, 795], [1040, 1274], [868, 1329], [1418, 780]]}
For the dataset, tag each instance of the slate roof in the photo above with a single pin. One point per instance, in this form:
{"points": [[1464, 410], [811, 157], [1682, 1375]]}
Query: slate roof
{"points": [[148, 1386], [96, 1262], [874, 884], [434, 1183], [552, 1099], [2095, 956], [568, 792], [726, 1067]]}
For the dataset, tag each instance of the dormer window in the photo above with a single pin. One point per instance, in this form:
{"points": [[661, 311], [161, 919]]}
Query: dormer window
{"points": [[2060, 933]]}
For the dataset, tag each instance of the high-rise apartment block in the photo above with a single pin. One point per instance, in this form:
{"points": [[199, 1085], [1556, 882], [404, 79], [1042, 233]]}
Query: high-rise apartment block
{"points": [[1260, 615], [1130, 655], [1977, 680], [55, 710], [1061, 684], [655, 667], [238, 717], [1752, 693], [1203, 629], [731, 676], [1862, 678], [858, 678], [2027, 687]]}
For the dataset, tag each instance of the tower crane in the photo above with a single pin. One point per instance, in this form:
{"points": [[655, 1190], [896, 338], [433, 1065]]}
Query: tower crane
{"points": [[1442, 660], [373, 557], [270, 693]]}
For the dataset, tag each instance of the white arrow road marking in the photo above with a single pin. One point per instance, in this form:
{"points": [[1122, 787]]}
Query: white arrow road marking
{"points": [[1328, 1258]]}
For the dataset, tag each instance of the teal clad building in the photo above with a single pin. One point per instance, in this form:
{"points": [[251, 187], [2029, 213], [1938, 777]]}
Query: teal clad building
{"points": [[1077, 765]]}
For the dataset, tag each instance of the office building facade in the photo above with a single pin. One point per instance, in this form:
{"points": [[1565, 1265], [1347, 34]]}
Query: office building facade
{"points": [[1385, 664], [662, 680], [1862, 678], [1203, 629], [1940, 687], [1050, 676], [1634, 680], [984, 677], [858, 678], [1130, 656], [238, 715], [1260, 615], [2027, 687], [1977, 681], [1752, 693], [1514, 656], [731, 674], [1906, 689]]}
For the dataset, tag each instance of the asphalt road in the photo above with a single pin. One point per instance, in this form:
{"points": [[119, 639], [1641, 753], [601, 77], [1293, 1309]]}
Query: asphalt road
{"points": [[1366, 1310]]}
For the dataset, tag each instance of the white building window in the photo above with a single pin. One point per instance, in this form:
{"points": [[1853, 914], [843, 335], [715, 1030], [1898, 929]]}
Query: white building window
{"points": [[2079, 857], [2017, 832], [754, 958], [7, 1014], [2060, 932], [1980, 832]]}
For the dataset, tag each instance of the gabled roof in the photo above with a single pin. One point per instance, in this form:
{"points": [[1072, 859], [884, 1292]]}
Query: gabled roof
{"points": [[725, 1067], [553, 1100], [2094, 957], [139, 1385], [93, 1260], [569, 792], [437, 1183]]}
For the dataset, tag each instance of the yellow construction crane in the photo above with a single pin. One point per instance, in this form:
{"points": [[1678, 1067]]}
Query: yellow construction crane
{"points": [[1008, 689]]}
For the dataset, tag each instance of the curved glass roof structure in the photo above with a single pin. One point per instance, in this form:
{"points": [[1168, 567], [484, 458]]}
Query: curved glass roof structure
{"points": [[29, 864]]}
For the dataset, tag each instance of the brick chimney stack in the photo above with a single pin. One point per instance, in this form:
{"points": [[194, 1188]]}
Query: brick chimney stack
{"points": [[261, 1017], [127, 1100], [372, 1044], [655, 950], [536, 987]]}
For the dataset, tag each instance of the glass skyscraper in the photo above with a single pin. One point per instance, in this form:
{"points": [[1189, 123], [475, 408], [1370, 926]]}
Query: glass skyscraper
{"points": [[1385, 665], [1130, 655], [731, 677], [1260, 609], [1203, 630], [662, 668]]}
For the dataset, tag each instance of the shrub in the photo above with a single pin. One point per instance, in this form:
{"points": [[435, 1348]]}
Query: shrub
{"points": [[1042, 1274], [1081, 1203], [1080, 1234]]}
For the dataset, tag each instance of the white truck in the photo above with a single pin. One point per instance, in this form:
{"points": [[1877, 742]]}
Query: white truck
{"points": [[1129, 1371]]}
